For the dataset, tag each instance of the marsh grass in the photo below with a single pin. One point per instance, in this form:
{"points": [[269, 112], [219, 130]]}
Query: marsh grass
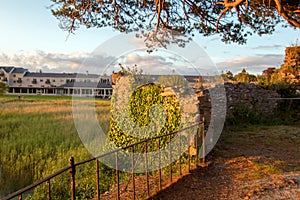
{"points": [[37, 137]]}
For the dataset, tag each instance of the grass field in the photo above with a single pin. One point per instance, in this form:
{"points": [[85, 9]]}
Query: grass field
{"points": [[37, 137]]}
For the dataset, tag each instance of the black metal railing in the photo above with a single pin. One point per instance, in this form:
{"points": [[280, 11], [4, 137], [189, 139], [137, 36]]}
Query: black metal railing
{"points": [[72, 166]]}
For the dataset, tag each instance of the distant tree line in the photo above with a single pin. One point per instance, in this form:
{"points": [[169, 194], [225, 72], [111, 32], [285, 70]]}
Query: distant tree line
{"points": [[288, 75], [243, 76]]}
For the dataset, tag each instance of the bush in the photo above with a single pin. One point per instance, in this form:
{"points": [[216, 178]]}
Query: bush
{"points": [[3, 88], [141, 111], [242, 115]]}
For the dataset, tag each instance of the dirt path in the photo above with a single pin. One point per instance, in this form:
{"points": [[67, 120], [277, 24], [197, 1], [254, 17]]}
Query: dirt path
{"points": [[260, 163], [220, 181]]}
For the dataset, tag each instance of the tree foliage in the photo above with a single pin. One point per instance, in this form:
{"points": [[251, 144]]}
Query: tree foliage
{"points": [[245, 77], [233, 20], [3, 88], [228, 75]]}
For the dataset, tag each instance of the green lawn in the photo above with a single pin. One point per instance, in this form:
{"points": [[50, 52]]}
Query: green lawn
{"points": [[37, 137]]}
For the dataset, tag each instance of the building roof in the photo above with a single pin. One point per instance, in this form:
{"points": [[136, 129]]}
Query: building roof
{"points": [[79, 75], [19, 70], [60, 75], [85, 85], [6, 68]]}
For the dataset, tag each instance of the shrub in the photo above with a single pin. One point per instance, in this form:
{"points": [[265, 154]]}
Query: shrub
{"points": [[141, 112], [3, 88]]}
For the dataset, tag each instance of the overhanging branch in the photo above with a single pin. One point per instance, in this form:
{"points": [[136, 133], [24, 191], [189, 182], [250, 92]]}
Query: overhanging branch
{"points": [[228, 6], [282, 12]]}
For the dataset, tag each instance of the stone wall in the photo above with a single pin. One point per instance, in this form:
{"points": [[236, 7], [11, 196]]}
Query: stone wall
{"points": [[249, 96]]}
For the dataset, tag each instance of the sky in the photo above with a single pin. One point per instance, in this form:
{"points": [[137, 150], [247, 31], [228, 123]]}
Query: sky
{"points": [[31, 38]]}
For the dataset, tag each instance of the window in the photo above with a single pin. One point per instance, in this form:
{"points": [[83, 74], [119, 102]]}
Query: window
{"points": [[14, 75], [47, 81], [41, 80], [34, 81], [53, 80]]}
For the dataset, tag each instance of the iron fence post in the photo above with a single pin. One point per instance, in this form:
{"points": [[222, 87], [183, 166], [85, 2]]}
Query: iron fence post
{"points": [[170, 146], [117, 176], [180, 170], [189, 153], [203, 142], [49, 189], [72, 172], [147, 173], [97, 179], [197, 144], [159, 167], [132, 173]]}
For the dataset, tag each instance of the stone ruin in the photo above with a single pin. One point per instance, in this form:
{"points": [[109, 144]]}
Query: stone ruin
{"points": [[254, 97], [251, 96], [292, 56], [290, 69]]}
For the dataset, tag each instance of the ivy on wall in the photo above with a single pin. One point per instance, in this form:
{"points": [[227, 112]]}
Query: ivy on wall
{"points": [[141, 104]]}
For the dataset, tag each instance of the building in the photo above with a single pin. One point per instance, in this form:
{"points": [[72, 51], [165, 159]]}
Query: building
{"points": [[22, 81], [10, 75]]}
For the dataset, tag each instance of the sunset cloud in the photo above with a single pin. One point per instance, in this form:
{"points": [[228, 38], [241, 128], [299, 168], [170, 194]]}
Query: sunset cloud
{"points": [[275, 46], [154, 64], [254, 64], [57, 62]]}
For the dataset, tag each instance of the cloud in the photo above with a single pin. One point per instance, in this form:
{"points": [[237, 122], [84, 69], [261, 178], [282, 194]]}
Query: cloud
{"points": [[149, 63], [98, 63], [275, 46], [254, 64], [57, 62], [164, 62]]}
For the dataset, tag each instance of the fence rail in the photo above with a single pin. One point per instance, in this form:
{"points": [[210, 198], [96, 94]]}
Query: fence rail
{"points": [[72, 166]]}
